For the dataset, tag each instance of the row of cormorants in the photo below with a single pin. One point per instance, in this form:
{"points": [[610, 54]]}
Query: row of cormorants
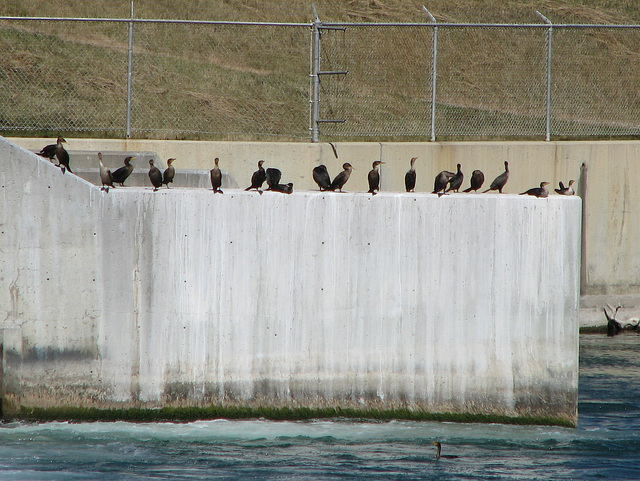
{"points": [[444, 182]]}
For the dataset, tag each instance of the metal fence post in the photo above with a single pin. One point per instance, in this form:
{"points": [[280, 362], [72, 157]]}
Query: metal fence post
{"points": [[549, 58], [434, 74], [315, 78], [130, 74]]}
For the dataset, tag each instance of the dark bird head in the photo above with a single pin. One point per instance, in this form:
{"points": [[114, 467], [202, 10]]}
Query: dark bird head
{"points": [[571, 182], [459, 167], [170, 161], [347, 166], [413, 160], [128, 160], [377, 163], [151, 162], [216, 160], [543, 184], [100, 156], [260, 162], [61, 139], [506, 166]]}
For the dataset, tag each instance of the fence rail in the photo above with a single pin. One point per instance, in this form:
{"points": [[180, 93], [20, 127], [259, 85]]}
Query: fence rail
{"points": [[228, 80]]}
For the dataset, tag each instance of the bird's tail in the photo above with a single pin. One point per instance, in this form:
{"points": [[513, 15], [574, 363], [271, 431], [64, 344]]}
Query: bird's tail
{"points": [[468, 190]]}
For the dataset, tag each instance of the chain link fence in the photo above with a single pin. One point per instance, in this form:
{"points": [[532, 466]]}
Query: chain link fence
{"points": [[257, 81]]}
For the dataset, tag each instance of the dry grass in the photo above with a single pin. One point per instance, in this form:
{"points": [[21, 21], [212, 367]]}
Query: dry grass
{"points": [[241, 85]]}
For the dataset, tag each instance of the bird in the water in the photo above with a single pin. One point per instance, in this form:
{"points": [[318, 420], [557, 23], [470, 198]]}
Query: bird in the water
{"points": [[342, 177], [441, 181], [613, 325], [284, 188], [568, 190], [439, 454], [121, 174], [477, 179], [57, 150], [216, 177], [456, 180], [105, 175], [410, 177], [169, 173], [155, 176], [258, 178], [374, 177], [499, 182], [273, 177], [321, 176], [538, 191]]}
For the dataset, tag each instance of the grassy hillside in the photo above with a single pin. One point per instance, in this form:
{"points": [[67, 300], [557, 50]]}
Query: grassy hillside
{"points": [[203, 82]]}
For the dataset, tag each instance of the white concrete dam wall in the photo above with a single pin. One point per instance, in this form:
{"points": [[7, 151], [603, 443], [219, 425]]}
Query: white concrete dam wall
{"points": [[133, 298]]}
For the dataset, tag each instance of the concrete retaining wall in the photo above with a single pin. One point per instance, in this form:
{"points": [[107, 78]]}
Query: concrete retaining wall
{"points": [[611, 261], [462, 303]]}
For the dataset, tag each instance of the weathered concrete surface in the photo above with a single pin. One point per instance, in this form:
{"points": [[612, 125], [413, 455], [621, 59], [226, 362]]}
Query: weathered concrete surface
{"points": [[463, 303], [611, 199]]}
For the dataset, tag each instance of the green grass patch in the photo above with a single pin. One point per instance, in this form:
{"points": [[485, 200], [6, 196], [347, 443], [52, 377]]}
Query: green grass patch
{"points": [[189, 414]]}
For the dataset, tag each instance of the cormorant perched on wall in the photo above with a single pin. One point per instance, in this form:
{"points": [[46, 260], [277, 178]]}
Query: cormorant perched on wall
{"points": [[477, 179], [105, 175], [498, 182], [538, 191], [216, 177], [342, 177], [441, 181], [321, 176], [121, 174], [566, 190], [57, 150], [410, 177], [273, 177], [284, 188], [456, 180], [374, 177], [50, 151], [169, 173], [613, 325], [439, 455], [155, 176], [258, 178]]}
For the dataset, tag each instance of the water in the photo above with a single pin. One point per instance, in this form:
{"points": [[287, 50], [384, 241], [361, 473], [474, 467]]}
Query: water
{"points": [[606, 444]]}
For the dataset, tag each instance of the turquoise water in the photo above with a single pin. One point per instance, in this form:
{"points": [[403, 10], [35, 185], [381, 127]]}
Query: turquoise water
{"points": [[606, 444]]}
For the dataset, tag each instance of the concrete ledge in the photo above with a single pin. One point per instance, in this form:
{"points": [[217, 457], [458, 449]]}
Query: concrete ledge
{"points": [[461, 304]]}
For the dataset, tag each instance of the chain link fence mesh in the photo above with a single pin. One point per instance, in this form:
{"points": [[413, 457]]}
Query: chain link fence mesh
{"points": [[242, 81]]}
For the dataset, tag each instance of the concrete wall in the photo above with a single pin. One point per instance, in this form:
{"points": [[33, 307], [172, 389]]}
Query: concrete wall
{"points": [[611, 259], [463, 303]]}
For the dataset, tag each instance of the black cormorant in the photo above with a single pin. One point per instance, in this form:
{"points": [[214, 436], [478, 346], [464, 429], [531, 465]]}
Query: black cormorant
{"points": [[613, 325], [374, 177], [566, 190], [105, 175], [121, 174], [284, 188], [410, 177], [258, 178], [169, 173], [155, 176], [438, 453], [321, 176], [441, 181], [57, 150], [216, 177], [273, 177], [477, 179], [49, 151], [498, 182], [342, 177], [456, 180], [538, 191]]}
